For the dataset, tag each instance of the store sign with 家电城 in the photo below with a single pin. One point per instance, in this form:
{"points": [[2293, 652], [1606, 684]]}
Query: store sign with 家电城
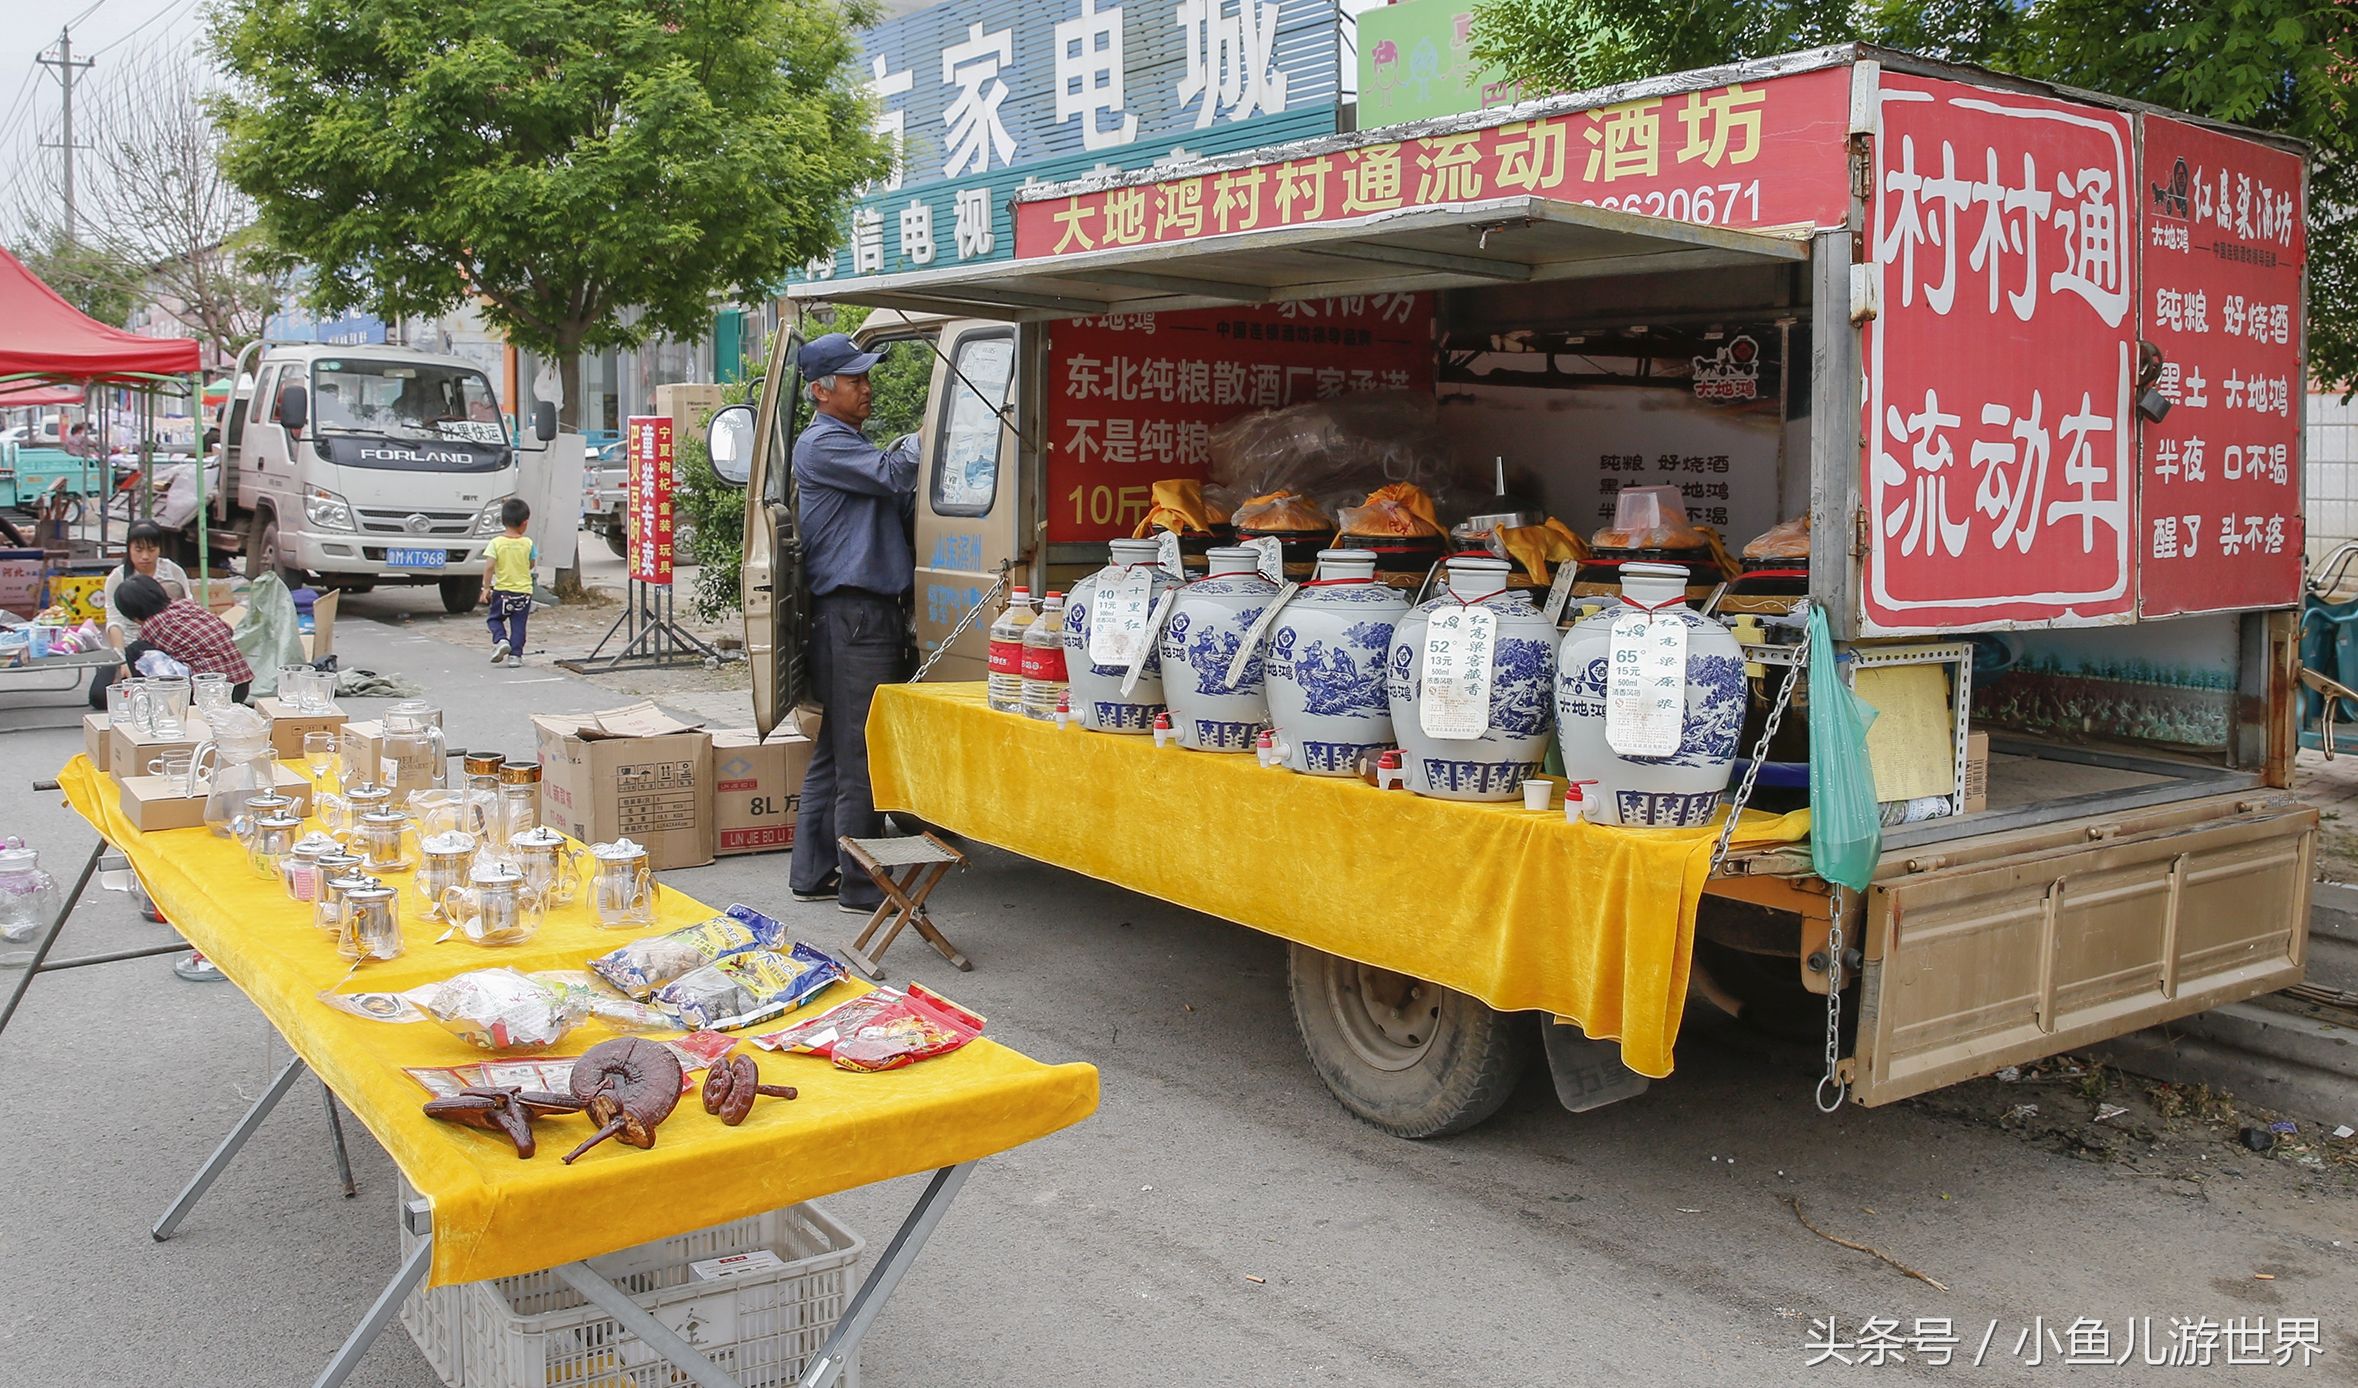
{"points": [[983, 99]]}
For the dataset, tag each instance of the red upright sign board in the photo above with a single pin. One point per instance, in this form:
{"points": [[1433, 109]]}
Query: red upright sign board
{"points": [[1138, 395], [1749, 154], [2000, 471], [2224, 243], [650, 498]]}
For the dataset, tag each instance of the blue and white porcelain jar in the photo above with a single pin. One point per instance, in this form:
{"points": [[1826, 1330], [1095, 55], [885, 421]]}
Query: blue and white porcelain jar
{"points": [[1208, 622], [1682, 788], [1095, 691], [1326, 666], [1494, 765]]}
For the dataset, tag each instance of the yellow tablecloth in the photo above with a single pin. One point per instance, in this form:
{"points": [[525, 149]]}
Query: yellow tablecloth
{"points": [[1519, 909], [495, 1215]]}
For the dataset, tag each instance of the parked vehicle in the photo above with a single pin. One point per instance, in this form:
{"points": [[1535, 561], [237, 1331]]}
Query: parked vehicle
{"points": [[1990, 445], [352, 466]]}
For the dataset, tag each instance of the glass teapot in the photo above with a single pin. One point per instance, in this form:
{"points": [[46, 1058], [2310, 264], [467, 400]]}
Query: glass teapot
{"points": [[28, 898], [624, 886], [551, 867], [413, 738], [385, 840], [237, 759], [341, 813], [494, 908]]}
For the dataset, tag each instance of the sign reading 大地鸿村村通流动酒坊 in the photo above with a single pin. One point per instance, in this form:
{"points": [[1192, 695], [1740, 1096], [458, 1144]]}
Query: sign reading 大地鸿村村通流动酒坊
{"points": [[981, 100]]}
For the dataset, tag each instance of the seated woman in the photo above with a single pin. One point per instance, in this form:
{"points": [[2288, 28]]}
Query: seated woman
{"points": [[182, 630], [143, 553]]}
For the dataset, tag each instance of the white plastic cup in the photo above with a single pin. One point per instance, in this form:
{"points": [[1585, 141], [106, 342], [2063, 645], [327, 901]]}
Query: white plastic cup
{"points": [[1535, 793]]}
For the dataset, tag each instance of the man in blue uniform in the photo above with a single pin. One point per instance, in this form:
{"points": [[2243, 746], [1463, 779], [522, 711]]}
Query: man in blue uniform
{"points": [[858, 505]]}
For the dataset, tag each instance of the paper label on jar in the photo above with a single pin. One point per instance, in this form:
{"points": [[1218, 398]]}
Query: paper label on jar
{"points": [[1251, 644], [1646, 684], [1559, 593], [1456, 673], [1154, 633], [1166, 553], [1272, 561], [1117, 617]]}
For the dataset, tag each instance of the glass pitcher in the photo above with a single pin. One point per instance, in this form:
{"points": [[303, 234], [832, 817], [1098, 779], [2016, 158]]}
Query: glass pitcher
{"points": [[624, 887], [237, 759], [494, 908], [413, 737]]}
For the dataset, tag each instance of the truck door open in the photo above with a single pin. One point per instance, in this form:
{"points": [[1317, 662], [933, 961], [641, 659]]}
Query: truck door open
{"points": [[968, 507], [777, 612]]}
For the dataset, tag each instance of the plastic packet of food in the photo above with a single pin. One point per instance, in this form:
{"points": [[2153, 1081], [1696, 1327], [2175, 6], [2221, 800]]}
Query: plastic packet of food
{"points": [[882, 1029], [754, 986], [498, 1010], [377, 1007], [646, 964], [1784, 540], [1287, 512], [595, 997]]}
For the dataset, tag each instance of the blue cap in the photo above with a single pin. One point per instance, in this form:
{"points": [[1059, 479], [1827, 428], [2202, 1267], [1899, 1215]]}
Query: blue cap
{"points": [[835, 355]]}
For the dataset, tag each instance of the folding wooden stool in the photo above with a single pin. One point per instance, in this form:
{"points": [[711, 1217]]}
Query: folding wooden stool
{"points": [[927, 860]]}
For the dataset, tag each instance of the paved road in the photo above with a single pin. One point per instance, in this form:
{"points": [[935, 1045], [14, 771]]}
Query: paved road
{"points": [[1649, 1242]]}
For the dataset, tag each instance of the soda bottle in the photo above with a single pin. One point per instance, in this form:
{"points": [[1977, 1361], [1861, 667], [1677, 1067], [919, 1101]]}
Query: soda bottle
{"points": [[1043, 661], [1004, 689]]}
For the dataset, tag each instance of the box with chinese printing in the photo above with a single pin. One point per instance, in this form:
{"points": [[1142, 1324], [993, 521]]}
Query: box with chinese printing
{"points": [[132, 752], [288, 724], [632, 772], [156, 803], [757, 788]]}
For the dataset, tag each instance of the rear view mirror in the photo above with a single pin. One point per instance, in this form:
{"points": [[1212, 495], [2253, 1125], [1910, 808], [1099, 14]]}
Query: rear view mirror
{"points": [[294, 408], [729, 439], [544, 420]]}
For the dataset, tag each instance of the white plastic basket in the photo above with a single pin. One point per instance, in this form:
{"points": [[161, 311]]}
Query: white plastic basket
{"points": [[761, 1327], [431, 1314]]}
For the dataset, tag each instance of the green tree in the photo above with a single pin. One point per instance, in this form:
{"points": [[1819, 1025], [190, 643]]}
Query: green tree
{"points": [[89, 279], [591, 174], [2288, 66]]}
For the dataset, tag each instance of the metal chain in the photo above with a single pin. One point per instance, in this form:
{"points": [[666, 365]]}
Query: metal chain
{"points": [[1776, 715], [1832, 1079], [960, 630]]}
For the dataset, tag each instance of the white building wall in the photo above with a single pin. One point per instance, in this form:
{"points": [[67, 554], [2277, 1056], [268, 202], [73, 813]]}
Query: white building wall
{"points": [[2332, 473]]}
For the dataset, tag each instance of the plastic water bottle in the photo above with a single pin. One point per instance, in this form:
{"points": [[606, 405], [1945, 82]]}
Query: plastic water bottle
{"points": [[1043, 661], [1004, 689]]}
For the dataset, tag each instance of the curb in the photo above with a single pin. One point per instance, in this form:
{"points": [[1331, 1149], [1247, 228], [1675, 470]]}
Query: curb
{"points": [[2261, 1051]]}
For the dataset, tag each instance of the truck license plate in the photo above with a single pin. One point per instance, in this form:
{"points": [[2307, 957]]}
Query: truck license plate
{"points": [[416, 558]]}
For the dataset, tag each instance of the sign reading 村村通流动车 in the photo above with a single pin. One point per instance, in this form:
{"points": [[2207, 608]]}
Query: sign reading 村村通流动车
{"points": [[984, 99]]}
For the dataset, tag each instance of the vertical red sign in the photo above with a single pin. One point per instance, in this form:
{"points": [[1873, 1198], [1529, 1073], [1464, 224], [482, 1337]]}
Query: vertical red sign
{"points": [[1139, 394], [2224, 243], [2001, 455], [649, 451]]}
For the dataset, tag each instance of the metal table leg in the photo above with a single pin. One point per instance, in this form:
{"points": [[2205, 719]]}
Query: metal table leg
{"points": [[827, 1365], [632, 1317], [56, 927], [380, 1314], [336, 1131], [215, 1164]]}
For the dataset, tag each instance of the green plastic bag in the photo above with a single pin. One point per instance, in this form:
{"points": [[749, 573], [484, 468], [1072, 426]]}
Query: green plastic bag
{"points": [[1845, 828]]}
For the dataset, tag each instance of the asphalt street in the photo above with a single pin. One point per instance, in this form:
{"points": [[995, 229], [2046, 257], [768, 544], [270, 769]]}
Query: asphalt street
{"points": [[1219, 1219]]}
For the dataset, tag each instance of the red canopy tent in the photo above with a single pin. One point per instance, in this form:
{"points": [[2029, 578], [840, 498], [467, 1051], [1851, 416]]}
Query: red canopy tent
{"points": [[43, 337], [19, 395]]}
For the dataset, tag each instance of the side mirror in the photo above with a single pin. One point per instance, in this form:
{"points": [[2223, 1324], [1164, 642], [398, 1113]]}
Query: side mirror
{"points": [[294, 408], [544, 420], [729, 439]]}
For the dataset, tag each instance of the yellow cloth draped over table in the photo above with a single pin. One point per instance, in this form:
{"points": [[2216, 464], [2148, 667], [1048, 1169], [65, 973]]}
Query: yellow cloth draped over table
{"points": [[495, 1215], [1519, 909]]}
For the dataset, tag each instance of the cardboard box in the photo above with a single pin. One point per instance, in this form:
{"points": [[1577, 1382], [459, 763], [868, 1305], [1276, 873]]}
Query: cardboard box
{"points": [[81, 595], [288, 725], [1976, 773], [321, 639], [24, 574], [691, 404], [97, 739], [633, 772], [757, 788], [129, 751], [155, 803], [363, 745]]}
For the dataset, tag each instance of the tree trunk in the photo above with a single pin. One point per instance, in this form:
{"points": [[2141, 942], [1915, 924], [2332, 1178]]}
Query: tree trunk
{"points": [[569, 417]]}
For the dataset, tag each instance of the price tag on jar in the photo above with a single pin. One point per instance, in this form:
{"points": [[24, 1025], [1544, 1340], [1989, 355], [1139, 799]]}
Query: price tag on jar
{"points": [[1272, 560], [1559, 593], [1250, 646], [1456, 701], [1154, 633], [1646, 684], [1117, 617], [1166, 553]]}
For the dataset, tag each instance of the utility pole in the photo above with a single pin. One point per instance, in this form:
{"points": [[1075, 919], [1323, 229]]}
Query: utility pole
{"points": [[65, 68]]}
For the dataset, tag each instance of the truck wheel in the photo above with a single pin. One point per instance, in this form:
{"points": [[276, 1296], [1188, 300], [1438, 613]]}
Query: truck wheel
{"points": [[1409, 1057], [616, 541], [460, 594], [262, 556]]}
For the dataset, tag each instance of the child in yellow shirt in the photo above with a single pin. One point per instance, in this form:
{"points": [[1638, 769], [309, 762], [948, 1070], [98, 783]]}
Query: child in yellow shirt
{"points": [[507, 582]]}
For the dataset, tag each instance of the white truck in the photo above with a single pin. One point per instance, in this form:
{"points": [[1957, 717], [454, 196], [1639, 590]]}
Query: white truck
{"points": [[347, 467]]}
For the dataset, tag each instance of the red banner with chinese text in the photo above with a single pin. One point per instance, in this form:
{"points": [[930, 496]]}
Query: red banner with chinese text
{"points": [[649, 493], [1751, 154], [1137, 395], [2000, 463], [2223, 242]]}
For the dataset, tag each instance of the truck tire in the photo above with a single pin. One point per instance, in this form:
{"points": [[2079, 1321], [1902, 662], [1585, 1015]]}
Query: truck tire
{"points": [[262, 553], [1409, 1057], [616, 541], [460, 595]]}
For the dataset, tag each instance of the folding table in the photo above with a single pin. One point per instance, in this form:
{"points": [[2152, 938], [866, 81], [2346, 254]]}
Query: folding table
{"points": [[485, 1214]]}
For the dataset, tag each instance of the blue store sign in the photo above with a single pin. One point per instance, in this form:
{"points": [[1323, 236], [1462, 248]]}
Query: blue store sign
{"points": [[982, 99]]}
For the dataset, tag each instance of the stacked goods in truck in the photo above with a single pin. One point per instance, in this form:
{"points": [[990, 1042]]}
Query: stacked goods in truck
{"points": [[1043, 661], [1003, 689]]}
